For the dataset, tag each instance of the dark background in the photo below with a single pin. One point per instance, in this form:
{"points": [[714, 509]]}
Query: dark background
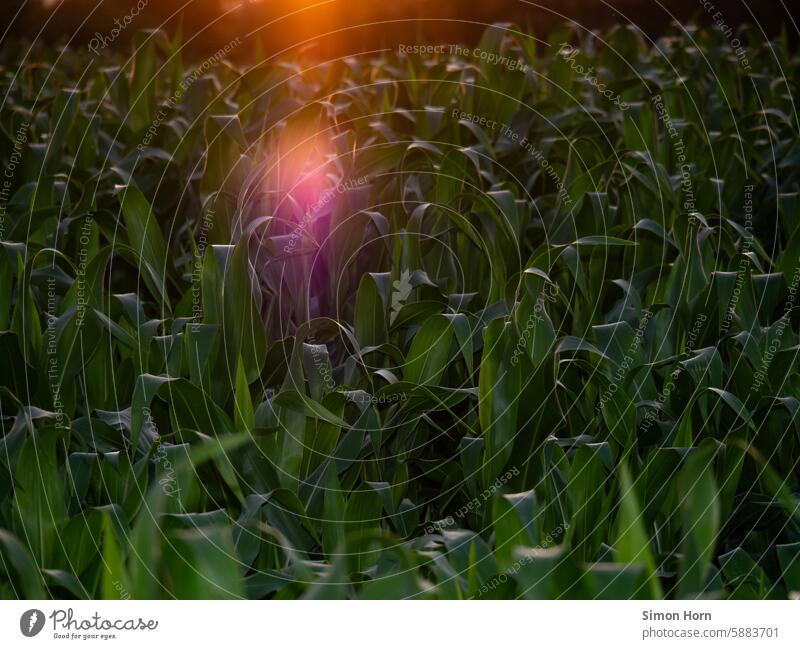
{"points": [[360, 25]]}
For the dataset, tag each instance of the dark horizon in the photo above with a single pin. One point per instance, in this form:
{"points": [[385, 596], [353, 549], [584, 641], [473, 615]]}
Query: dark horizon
{"points": [[340, 27]]}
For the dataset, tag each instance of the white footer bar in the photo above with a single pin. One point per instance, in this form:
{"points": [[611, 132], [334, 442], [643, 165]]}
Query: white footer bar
{"points": [[390, 625]]}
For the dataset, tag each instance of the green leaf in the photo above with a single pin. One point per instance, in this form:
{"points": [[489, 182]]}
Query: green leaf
{"points": [[700, 513], [242, 326], [498, 393], [145, 239], [39, 495], [15, 557], [370, 314], [430, 350], [632, 545], [114, 580], [243, 405]]}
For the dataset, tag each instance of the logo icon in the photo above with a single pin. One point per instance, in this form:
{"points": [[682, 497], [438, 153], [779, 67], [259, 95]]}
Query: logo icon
{"points": [[402, 289], [31, 622]]}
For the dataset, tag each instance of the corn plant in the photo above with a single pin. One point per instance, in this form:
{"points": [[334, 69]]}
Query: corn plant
{"points": [[402, 326]]}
